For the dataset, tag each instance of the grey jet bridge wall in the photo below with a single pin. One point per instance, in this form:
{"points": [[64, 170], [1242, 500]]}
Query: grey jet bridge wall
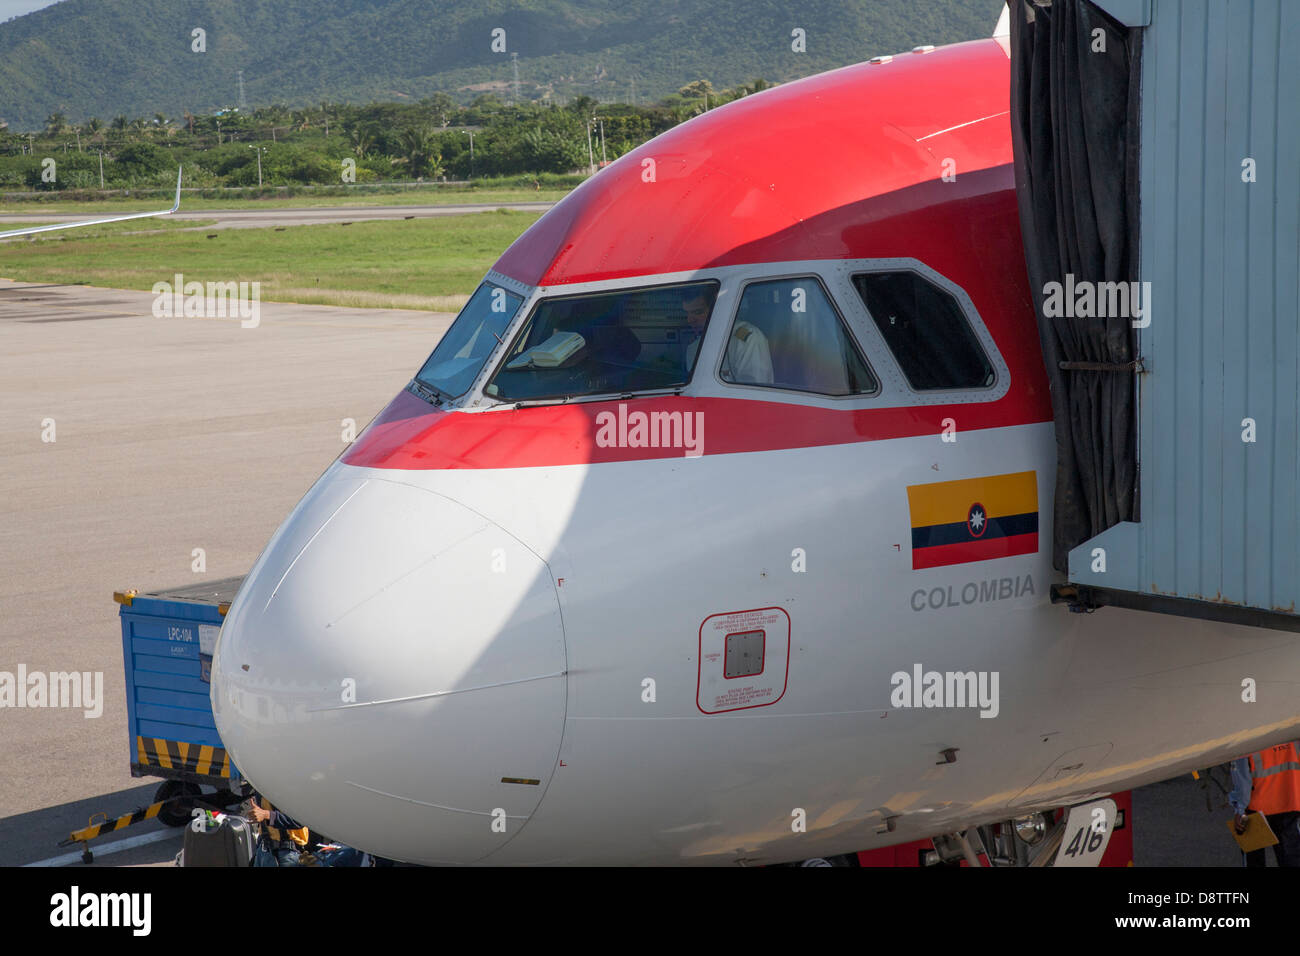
{"points": [[1218, 397]]}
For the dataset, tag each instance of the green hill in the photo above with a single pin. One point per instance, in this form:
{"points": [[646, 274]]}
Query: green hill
{"points": [[105, 58]]}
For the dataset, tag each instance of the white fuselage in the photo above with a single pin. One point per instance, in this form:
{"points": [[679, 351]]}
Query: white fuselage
{"points": [[479, 664]]}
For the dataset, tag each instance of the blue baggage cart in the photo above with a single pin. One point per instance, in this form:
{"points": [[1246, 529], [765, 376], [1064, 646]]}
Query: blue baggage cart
{"points": [[167, 642]]}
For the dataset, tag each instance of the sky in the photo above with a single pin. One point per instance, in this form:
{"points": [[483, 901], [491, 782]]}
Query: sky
{"points": [[16, 8]]}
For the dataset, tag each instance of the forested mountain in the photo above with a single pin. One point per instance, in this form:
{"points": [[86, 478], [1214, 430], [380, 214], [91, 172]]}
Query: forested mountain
{"points": [[102, 58]]}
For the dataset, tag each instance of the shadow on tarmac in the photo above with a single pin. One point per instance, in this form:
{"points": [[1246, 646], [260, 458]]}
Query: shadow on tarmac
{"points": [[34, 836]]}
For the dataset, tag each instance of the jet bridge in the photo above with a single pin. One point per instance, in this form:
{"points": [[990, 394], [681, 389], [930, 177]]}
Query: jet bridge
{"points": [[1157, 150]]}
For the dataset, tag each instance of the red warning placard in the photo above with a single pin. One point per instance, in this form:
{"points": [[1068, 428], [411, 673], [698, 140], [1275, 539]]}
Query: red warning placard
{"points": [[744, 660]]}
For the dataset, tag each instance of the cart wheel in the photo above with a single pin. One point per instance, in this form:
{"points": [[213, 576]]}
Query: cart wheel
{"points": [[222, 798], [176, 814]]}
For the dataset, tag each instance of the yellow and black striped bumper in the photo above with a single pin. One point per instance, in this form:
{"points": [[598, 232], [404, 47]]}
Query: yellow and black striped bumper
{"points": [[202, 759], [121, 823]]}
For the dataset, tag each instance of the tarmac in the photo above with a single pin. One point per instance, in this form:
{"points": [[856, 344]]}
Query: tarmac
{"points": [[170, 435]]}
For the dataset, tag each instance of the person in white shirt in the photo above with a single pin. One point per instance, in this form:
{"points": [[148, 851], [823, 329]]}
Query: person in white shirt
{"points": [[748, 360]]}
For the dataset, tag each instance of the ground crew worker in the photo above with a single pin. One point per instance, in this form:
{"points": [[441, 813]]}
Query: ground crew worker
{"points": [[283, 838], [1268, 782]]}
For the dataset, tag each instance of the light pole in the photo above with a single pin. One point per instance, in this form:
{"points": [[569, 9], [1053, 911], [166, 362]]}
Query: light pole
{"points": [[471, 151], [591, 160], [259, 150], [603, 161]]}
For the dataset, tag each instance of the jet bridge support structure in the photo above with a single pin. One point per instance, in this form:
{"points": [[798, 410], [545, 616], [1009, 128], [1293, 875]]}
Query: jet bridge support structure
{"points": [[1199, 368]]}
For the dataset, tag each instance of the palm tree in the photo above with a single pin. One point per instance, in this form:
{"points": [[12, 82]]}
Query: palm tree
{"points": [[419, 145], [362, 142], [55, 124], [700, 90], [274, 116], [582, 105]]}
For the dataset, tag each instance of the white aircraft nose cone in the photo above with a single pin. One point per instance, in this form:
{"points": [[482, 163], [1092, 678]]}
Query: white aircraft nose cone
{"points": [[392, 658]]}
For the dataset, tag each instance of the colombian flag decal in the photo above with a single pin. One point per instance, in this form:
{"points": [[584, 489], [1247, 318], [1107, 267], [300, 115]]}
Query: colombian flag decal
{"points": [[975, 519]]}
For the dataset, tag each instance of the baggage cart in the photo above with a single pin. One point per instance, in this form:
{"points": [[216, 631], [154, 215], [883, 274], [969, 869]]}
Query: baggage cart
{"points": [[168, 639]]}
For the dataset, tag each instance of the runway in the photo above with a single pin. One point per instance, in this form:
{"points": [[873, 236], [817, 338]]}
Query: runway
{"points": [[172, 435], [304, 216]]}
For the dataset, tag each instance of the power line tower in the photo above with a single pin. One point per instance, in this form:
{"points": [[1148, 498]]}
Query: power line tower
{"points": [[243, 103], [514, 61]]}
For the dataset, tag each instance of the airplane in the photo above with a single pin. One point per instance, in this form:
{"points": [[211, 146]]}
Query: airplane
{"points": [[31, 230], [596, 589]]}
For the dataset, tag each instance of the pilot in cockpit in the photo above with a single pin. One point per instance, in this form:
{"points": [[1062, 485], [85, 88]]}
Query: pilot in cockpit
{"points": [[748, 359]]}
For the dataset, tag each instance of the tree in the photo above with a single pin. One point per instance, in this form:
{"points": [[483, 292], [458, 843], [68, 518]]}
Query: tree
{"points": [[697, 89], [551, 150], [699, 93], [440, 107], [363, 141], [483, 106], [328, 115], [419, 146], [55, 124], [582, 106], [275, 115], [142, 161]]}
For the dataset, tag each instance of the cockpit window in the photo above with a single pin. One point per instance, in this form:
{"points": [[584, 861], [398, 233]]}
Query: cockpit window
{"points": [[624, 341], [924, 327], [788, 335], [479, 328]]}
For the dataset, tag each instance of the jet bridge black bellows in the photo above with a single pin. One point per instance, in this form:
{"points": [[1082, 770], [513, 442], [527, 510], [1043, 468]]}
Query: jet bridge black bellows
{"points": [[1074, 100]]}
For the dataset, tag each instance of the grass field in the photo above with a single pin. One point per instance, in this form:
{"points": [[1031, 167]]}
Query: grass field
{"points": [[413, 196], [432, 264]]}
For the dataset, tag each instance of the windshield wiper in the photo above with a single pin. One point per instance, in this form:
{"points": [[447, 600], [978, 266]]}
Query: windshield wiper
{"points": [[430, 393]]}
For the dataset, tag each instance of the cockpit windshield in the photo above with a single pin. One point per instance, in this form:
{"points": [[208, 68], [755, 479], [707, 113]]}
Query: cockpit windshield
{"points": [[479, 328], [623, 341]]}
